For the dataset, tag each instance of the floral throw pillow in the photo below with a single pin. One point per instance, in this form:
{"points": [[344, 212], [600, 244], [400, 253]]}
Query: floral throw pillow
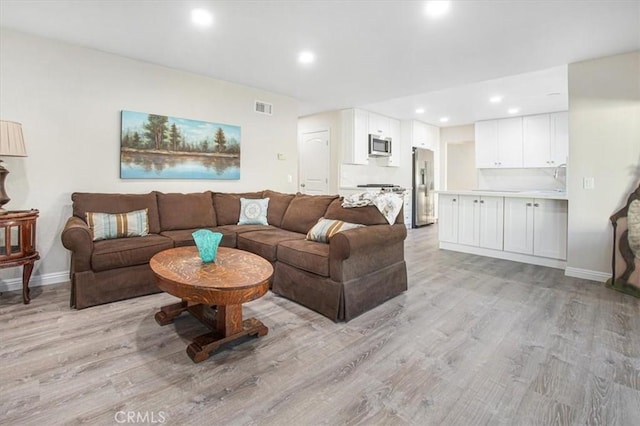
{"points": [[253, 211]]}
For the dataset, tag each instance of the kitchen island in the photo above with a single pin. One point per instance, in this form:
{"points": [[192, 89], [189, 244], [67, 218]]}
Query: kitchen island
{"points": [[527, 226]]}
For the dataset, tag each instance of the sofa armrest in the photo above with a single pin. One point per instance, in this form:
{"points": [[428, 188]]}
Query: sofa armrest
{"points": [[76, 237], [361, 251], [365, 240]]}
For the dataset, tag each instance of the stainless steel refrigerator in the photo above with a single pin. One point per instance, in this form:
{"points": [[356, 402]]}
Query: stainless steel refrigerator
{"points": [[423, 187]]}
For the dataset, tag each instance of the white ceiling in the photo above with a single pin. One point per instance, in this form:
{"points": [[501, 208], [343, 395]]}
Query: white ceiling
{"points": [[386, 56]]}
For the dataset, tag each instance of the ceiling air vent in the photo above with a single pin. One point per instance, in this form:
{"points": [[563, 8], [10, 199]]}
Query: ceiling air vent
{"points": [[264, 108]]}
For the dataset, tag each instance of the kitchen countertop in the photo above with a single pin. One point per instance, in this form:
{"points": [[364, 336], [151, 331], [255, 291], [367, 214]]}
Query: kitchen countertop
{"points": [[548, 194]]}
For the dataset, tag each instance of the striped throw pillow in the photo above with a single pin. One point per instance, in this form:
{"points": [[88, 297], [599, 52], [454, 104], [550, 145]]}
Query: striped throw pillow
{"points": [[106, 226], [327, 228]]}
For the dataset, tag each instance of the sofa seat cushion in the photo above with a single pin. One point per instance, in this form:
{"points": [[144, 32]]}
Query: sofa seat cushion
{"points": [[265, 243], [310, 256], [122, 252], [183, 237]]}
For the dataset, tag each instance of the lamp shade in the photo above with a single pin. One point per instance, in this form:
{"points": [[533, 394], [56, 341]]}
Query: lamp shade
{"points": [[11, 139]]}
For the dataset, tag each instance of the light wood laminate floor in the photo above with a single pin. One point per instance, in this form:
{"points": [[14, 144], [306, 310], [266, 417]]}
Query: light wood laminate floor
{"points": [[473, 341]]}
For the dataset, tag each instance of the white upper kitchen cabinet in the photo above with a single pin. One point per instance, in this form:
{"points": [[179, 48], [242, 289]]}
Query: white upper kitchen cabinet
{"points": [[396, 144], [545, 140], [536, 226], [486, 144], [379, 125], [559, 137], [499, 143], [355, 136], [422, 135]]}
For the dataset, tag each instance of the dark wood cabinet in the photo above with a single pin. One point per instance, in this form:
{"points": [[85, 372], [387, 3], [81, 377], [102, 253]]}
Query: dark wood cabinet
{"points": [[18, 244]]}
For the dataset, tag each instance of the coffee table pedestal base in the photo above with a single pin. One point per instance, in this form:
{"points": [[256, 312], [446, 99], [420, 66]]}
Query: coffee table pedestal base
{"points": [[225, 322]]}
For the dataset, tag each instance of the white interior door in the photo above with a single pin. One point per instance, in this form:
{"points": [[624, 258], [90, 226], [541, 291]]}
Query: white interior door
{"points": [[314, 163]]}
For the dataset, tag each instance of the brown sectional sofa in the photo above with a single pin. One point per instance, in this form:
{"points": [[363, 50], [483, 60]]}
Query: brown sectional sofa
{"points": [[356, 271]]}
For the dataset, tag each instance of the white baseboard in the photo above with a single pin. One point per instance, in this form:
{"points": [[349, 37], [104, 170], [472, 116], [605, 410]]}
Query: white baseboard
{"points": [[35, 281], [499, 254], [587, 274]]}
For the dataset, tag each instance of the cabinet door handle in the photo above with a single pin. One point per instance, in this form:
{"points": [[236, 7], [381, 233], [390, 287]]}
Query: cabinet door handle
{"points": [[528, 204], [536, 205], [454, 200], [481, 201], [475, 201]]}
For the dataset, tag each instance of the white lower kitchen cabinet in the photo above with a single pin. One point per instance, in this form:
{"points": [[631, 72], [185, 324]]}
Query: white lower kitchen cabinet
{"points": [[520, 228], [480, 221], [550, 228], [448, 218], [408, 210], [536, 226]]}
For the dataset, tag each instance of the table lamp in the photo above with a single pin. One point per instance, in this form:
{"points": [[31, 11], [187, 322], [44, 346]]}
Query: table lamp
{"points": [[11, 145]]}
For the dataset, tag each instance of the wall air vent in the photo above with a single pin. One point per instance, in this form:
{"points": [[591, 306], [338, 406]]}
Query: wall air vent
{"points": [[264, 108]]}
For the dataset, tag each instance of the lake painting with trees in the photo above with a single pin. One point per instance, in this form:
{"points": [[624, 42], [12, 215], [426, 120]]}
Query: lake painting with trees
{"points": [[161, 147]]}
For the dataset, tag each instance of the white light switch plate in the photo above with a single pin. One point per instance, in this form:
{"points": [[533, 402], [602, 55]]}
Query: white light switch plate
{"points": [[588, 183]]}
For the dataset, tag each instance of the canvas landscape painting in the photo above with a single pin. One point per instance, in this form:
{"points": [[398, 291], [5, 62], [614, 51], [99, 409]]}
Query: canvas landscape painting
{"points": [[161, 147]]}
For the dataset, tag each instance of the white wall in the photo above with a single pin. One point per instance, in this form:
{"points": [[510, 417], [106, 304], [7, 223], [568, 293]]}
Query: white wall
{"points": [[461, 163], [458, 169], [69, 99], [604, 143]]}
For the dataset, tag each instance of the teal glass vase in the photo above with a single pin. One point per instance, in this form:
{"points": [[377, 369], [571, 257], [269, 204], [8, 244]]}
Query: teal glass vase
{"points": [[207, 243]]}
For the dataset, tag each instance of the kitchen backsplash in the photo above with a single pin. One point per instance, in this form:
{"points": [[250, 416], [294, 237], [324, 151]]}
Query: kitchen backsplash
{"points": [[522, 179], [352, 175]]}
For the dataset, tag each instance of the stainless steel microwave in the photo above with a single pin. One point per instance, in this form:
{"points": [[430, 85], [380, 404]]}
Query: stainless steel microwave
{"points": [[379, 146]]}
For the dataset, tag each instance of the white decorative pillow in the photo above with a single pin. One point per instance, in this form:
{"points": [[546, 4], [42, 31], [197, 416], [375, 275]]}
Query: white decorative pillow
{"points": [[253, 211], [633, 223], [106, 226], [327, 228]]}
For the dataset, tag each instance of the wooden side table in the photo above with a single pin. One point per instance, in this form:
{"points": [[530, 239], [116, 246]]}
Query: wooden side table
{"points": [[18, 244]]}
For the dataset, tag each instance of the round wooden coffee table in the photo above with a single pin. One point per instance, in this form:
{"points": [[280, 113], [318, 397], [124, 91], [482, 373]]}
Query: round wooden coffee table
{"points": [[212, 292]]}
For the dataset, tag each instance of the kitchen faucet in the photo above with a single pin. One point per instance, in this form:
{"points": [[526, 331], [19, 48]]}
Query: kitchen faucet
{"points": [[555, 172]]}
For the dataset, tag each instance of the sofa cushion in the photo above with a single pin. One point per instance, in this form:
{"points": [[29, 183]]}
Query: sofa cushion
{"points": [[122, 252], [183, 237], [227, 206], [265, 243], [304, 211], [253, 211], [186, 211], [307, 255], [107, 226], [278, 203], [367, 215], [84, 202]]}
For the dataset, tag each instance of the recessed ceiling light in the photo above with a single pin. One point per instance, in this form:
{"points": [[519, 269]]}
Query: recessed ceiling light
{"points": [[306, 57], [495, 99], [513, 110], [201, 17], [436, 9], [420, 111], [444, 119]]}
